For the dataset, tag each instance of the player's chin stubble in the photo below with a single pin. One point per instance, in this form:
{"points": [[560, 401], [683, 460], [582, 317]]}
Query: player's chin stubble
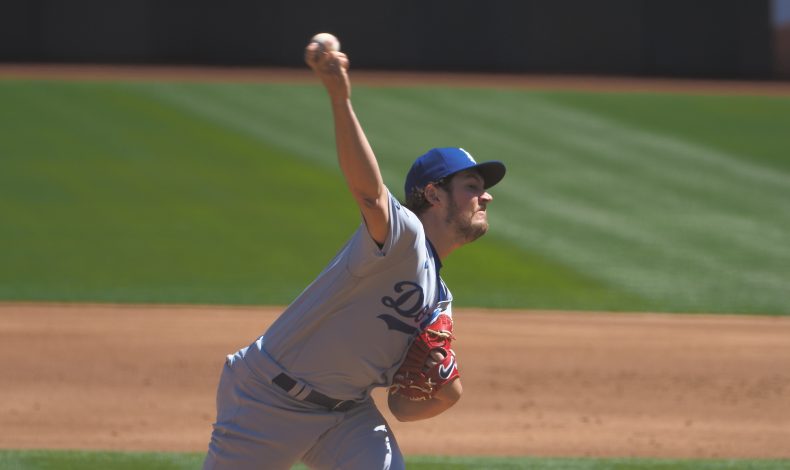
{"points": [[467, 230]]}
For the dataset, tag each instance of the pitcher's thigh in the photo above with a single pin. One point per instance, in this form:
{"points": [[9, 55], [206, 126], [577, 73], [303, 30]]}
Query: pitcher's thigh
{"points": [[257, 428], [362, 441]]}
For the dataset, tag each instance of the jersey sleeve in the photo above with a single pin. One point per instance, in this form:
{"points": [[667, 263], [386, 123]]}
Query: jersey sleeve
{"points": [[404, 235]]}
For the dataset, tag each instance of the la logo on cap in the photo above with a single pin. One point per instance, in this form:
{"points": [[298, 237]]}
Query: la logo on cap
{"points": [[468, 155]]}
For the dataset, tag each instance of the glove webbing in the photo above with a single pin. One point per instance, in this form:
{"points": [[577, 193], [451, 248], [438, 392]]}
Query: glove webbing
{"points": [[444, 334]]}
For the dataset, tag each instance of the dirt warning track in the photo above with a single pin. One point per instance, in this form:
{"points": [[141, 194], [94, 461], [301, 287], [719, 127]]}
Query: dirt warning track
{"points": [[388, 78]]}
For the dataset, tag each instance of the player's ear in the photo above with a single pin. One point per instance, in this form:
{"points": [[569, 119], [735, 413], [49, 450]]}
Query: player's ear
{"points": [[431, 194]]}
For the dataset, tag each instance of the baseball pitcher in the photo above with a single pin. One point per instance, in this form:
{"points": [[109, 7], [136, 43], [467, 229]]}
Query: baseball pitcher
{"points": [[379, 315]]}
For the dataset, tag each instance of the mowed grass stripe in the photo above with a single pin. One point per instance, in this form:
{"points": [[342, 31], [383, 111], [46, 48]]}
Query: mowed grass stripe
{"points": [[728, 201], [295, 119], [751, 126]]}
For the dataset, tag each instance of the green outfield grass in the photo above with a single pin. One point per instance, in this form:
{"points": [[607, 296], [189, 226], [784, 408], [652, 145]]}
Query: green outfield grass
{"points": [[229, 193], [85, 460]]}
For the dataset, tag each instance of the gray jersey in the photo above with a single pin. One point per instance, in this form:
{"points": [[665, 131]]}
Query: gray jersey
{"points": [[349, 330]]}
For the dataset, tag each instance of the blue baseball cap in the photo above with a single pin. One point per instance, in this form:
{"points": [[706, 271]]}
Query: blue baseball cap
{"points": [[440, 163]]}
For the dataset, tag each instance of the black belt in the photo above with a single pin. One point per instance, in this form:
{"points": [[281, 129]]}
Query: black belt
{"points": [[287, 383]]}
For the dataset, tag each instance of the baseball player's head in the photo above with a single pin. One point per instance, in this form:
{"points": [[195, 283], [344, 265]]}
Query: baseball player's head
{"points": [[451, 181]]}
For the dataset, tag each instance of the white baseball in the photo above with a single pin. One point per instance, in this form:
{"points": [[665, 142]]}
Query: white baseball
{"points": [[328, 42]]}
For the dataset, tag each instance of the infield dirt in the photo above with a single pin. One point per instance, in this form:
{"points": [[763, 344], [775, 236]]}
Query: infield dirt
{"points": [[536, 383]]}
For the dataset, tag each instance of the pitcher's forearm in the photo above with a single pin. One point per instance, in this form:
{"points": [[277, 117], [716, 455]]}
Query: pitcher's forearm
{"points": [[355, 156]]}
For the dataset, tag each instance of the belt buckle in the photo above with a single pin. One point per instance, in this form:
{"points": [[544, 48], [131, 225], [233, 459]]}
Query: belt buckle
{"points": [[341, 404]]}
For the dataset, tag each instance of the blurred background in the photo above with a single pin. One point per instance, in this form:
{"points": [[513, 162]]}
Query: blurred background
{"points": [[743, 39]]}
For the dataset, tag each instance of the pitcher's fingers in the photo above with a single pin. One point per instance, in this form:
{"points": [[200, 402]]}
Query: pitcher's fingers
{"points": [[434, 358], [312, 53]]}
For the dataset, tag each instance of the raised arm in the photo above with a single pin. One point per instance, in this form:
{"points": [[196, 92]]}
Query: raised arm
{"points": [[355, 156]]}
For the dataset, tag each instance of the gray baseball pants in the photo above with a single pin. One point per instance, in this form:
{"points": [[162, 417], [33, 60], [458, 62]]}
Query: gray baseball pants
{"points": [[259, 426]]}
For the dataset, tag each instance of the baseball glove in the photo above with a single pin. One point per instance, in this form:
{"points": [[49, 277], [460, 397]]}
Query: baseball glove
{"points": [[414, 379]]}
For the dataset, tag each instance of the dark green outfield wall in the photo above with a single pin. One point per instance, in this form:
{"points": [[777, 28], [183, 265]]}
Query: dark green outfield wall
{"points": [[703, 38]]}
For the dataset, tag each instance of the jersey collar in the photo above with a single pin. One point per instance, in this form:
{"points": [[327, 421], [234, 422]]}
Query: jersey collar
{"points": [[434, 254]]}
